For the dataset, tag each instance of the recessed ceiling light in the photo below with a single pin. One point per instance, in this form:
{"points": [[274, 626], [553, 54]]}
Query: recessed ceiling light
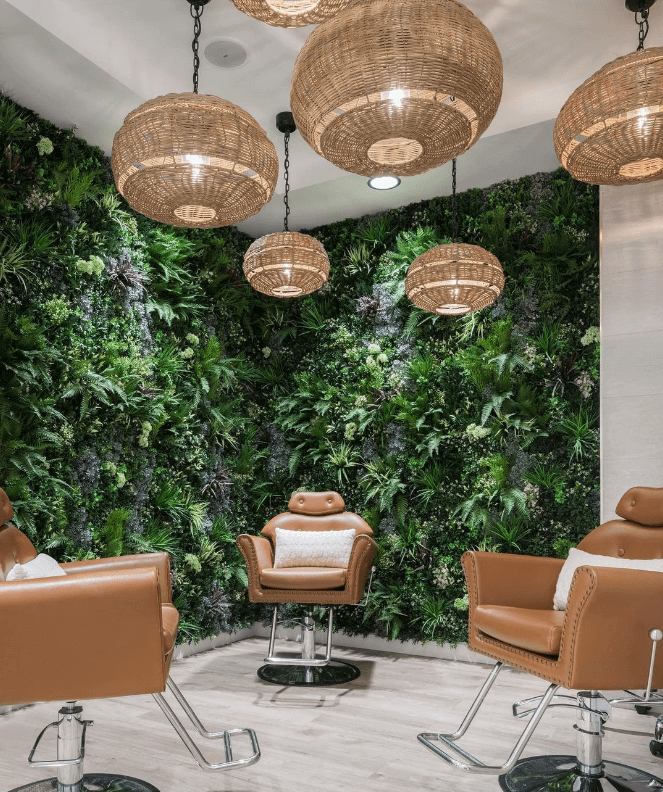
{"points": [[384, 182], [226, 53]]}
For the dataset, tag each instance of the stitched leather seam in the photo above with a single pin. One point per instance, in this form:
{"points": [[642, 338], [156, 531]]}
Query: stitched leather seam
{"points": [[574, 630]]}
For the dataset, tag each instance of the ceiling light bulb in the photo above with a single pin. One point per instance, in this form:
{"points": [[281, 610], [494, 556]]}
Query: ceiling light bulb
{"points": [[193, 159], [384, 182], [396, 96]]}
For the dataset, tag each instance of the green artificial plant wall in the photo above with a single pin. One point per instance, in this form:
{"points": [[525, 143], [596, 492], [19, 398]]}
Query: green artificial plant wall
{"points": [[152, 401]]}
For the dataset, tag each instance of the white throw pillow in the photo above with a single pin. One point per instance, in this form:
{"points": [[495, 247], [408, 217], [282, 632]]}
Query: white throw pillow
{"points": [[313, 548], [40, 567], [578, 558]]}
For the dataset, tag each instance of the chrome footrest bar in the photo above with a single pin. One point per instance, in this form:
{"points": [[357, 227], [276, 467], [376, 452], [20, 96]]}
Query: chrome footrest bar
{"points": [[316, 662], [464, 760], [58, 762], [194, 750]]}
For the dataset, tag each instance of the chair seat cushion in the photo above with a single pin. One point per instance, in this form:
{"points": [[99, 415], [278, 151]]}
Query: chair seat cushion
{"points": [[303, 578], [533, 630], [169, 621]]}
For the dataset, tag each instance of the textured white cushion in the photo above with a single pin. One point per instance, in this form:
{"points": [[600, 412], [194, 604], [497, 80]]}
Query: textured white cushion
{"points": [[41, 566], [313, 548], [578, 558]]}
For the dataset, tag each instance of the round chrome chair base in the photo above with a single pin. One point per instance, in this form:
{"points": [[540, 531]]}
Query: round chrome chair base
{"points": [[94, 782], [336, 672], [558, 774]]}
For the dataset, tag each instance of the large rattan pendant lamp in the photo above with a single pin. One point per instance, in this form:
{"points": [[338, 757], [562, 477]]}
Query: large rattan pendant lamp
{"points": [[610, 130], [290, 13], [454, 279], [190, 159], [372, 87], [286, 264]]}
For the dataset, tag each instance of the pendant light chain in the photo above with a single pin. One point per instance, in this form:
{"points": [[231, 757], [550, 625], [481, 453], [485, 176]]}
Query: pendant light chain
{"points": [[286, 165], [454, 215], [196, 10], [644, 26]]}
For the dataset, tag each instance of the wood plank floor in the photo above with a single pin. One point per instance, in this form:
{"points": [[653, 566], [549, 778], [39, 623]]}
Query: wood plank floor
{"points": [[361, 736]]}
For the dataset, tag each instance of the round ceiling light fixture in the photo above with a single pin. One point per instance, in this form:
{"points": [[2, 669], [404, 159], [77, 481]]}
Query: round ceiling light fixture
{"points": [[610, 130], [287, 263], [190, 159], [456, 278], [396, 86], [383, 182], [290, 13]]}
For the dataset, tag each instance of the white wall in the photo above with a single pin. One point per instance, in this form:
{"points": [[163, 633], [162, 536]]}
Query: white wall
{"points": [[631, 340]]}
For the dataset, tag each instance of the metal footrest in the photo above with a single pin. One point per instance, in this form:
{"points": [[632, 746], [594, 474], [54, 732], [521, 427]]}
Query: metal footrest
{"points": [[459, 757], [194, 750]]}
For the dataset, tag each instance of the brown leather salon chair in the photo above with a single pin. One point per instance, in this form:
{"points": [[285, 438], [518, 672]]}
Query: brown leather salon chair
{"points": [[605, 640], [105, 628], [308, 585]]}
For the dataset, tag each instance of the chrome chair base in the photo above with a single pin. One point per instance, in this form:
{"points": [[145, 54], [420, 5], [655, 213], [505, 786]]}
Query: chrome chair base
{"points": [[559, 774], [92, 782], [336, 672]]}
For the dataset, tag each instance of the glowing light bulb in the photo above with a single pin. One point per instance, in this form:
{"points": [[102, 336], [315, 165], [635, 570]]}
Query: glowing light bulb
{"points": [[397, 96], [193, 159], [643, 115]]}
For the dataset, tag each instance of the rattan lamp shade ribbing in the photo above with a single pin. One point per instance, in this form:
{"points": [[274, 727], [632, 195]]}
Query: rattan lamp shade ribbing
{"points": [[291, 13], [194, 160], [454, 279], [286, 264], [396, 86], [610, 130]]}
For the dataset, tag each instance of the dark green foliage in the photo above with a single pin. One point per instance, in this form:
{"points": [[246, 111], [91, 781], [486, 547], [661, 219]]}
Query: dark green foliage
{"points": [[151, 401]]}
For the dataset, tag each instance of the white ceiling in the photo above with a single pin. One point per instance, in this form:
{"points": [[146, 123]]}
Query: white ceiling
{"points": [[87, 63]]}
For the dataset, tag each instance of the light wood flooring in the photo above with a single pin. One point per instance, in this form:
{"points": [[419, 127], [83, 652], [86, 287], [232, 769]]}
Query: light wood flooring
{"points": [[358, 737]]}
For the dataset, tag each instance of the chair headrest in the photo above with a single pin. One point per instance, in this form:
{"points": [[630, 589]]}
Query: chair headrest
{"points": [[642, 505], [316, 503], [6, 510]]}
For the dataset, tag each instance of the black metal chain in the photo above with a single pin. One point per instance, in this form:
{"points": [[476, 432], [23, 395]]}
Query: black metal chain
{"points": [[644, 26], [196, 11], [454, 217], [286, 164]]}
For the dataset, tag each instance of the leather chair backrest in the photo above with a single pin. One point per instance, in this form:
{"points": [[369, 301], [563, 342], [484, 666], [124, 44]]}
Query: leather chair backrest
{"points": [[316, 511], [15, 547], [638, 535]]}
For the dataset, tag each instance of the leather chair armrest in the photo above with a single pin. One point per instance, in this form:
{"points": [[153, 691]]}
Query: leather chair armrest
{"points": [[95, 634], [514, 580], [160, 560], [258, 555], [605, 639], [364, 549]]}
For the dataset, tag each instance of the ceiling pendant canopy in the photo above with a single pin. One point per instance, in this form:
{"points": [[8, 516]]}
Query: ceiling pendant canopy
{"points": [[291, 13], [190, 159], [456, 278], [396, 86], [287, 263], [610, 130]]}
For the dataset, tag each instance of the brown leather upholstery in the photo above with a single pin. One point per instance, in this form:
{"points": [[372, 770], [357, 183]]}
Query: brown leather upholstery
{"points": [[603, 634], [309, 511], [6, 509], [106, 628]]}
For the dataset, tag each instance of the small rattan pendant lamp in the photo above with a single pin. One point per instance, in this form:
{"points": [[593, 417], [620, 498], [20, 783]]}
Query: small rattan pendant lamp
{"points": [[286, 264], [372, 86], [454, 279], [192, 159], [290, 13], [610, 130]]}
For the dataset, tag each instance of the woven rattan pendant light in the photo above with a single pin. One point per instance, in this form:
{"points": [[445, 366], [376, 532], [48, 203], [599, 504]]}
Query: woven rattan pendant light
{"points": [[286, 264], [372, 86], [194, 160], [610, 130], [454, 279], [290, 13]]}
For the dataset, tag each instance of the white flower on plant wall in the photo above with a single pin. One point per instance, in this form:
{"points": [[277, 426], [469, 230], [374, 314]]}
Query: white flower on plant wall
{"points": [[45, 146]]}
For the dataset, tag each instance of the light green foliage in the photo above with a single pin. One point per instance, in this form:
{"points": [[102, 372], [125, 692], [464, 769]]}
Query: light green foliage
{"points": [[153, 402]]}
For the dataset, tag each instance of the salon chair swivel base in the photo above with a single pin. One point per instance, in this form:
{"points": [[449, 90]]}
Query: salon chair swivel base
{"points": [[310, 670], [560, 774], [92, 782]]}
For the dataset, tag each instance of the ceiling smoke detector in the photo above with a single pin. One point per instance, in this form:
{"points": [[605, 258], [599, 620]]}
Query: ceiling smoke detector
{"points": [[226, 54]]}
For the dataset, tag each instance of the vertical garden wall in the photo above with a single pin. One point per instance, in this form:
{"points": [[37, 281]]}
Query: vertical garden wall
{"points": [[151, 401]]}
